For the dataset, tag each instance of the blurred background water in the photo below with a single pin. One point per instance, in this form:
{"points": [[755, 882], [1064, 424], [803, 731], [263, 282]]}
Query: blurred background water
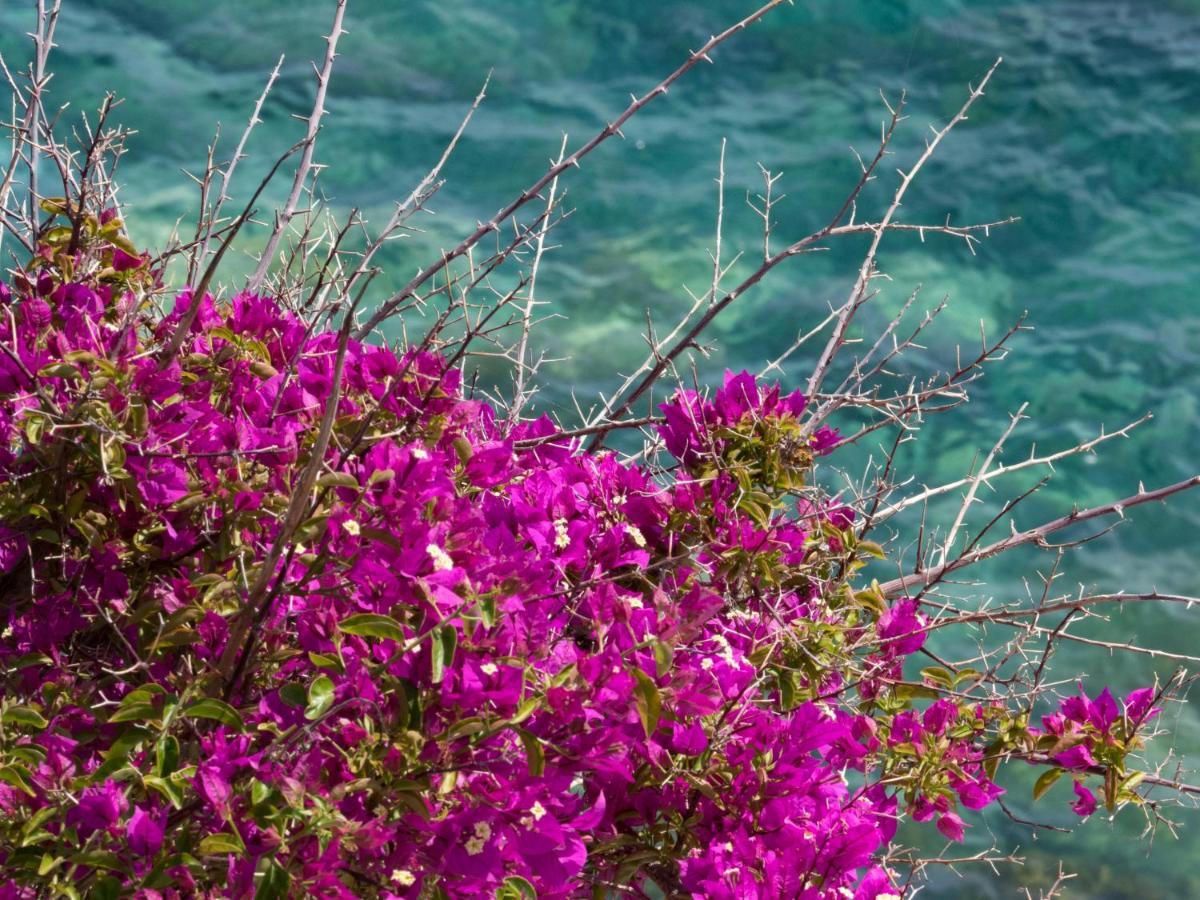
{"points": [[1090, 132]]}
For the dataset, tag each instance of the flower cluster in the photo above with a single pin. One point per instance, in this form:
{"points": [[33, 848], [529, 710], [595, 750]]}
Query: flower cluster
{"points": [[464, 660], [1093, 737]]}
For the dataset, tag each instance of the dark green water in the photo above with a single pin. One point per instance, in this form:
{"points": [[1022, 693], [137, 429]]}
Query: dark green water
{"points": [[1090, 132]]}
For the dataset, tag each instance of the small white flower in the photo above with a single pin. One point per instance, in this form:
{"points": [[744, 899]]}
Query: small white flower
{"points": [[419, 453], [562, 540], [441, 560], [706, 663], [537, 810], [483, 830], [635, 602], [726, 649], [489, 668], [474, 846], [635, 533], [403, 877], [351, 527]]}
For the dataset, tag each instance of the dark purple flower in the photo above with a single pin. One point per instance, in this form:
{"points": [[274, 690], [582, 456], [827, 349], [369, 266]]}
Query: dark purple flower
{"points": [[99, 808], [144, 833], [12, 549]]}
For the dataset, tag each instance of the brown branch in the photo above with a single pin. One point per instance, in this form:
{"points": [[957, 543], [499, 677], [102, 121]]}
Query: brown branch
{"points": [[284, 216], [1035, 535]]}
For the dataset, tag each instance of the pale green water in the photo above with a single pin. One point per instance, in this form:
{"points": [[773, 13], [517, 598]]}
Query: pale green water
{"points": [[1090, 133]]}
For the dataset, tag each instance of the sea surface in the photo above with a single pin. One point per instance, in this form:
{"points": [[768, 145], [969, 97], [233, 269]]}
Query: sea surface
{"points": [[1089, 132]]}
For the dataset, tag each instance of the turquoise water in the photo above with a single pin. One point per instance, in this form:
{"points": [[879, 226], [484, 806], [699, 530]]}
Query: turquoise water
{"points": [[1090, 133]]}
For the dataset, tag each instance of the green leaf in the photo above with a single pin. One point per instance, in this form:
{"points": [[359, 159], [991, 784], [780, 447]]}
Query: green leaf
{"points": [[34, 754], [275, 882], [527, 708], [166, 756], [649, 701], [18, 777], [337, 479], [516, 888], [967, 674], [212, 708], [167, 787], [55, 206], [263, 370], [870, 548], [371, 625], [35, 427], [81, 356], [445, 640], [293, 694], [101, 859], [464, 449], [1132, 781], [938, 674], [138, 711], [533, 752], [49, 863], [787, 690], [320, 697], [58, 370], [664, 655], [487, 610], [23, 715], [222, 843], [118, 753], [915, 692], [1046, 781], [325, 661], [29, 659], [31, 829], [311, 530]]}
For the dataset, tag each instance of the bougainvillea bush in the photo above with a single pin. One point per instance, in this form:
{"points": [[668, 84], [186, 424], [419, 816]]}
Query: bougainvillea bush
{"points": [[290, 613], [484, 664]]}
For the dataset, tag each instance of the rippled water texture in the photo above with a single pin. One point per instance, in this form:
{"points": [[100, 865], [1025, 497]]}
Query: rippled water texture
{"points": [[1090, 132]]}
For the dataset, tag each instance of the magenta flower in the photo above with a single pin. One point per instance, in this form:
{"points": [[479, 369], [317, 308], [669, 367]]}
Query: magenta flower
{"points": [[144, 833], [901, 628], [476, 657], [1085, 804], [1138, 705], [1078, 757], [951, 825], [99, 808], [12, 549]]}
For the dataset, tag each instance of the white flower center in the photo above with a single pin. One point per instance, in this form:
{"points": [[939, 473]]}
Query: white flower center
{"points": [[441, 559]]}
